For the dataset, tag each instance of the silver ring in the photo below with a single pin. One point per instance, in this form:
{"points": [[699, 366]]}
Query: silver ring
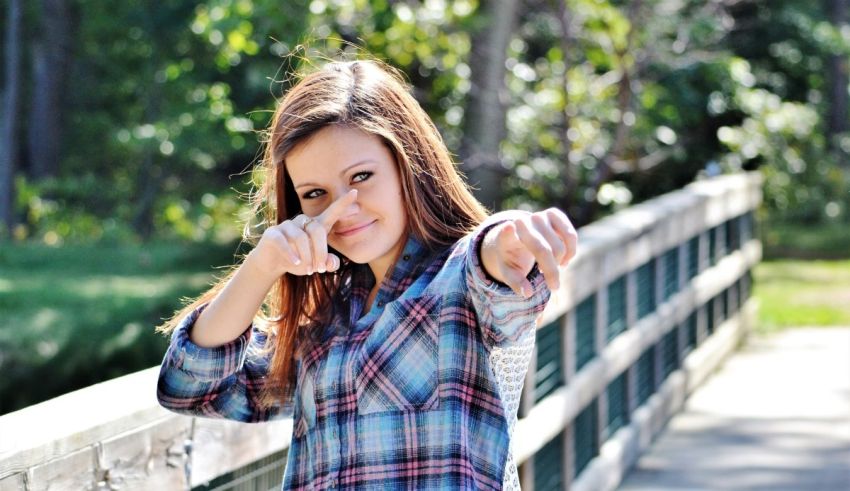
{"points": [[307, 221]]}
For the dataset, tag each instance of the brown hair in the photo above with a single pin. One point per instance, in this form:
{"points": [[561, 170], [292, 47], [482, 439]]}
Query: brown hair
{"points": [[372, 97]]}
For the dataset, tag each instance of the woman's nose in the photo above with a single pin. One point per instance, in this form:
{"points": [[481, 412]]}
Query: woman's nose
{"points": [[354, 207]]}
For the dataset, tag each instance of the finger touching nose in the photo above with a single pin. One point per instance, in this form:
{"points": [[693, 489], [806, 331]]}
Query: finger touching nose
{"points": [[338, 209]]}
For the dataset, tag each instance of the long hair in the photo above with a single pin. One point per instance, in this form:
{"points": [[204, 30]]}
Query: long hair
{"points": [[370, 96]]}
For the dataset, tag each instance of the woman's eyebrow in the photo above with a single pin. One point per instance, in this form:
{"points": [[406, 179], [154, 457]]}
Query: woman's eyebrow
{"points": [[341, 173]]}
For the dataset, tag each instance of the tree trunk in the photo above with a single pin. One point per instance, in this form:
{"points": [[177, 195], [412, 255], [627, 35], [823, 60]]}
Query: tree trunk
{"points": [[11, 106], [839, 119], [51, 59], [149, 176], [571, 176], [484, 124]]}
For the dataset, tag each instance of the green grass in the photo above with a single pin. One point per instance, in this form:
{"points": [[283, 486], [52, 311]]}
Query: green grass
{"points": [[802, 293], [73, 316]]}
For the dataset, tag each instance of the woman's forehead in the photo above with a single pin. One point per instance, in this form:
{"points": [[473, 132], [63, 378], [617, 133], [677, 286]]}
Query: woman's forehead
{"points": [[335, 149]]}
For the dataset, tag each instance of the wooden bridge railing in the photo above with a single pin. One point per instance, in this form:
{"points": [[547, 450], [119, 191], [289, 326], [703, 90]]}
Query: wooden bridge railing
{"points": [[657, 297]]}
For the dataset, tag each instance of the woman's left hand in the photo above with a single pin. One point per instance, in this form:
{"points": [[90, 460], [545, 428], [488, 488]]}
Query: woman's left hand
{"points": [[510, 249]]}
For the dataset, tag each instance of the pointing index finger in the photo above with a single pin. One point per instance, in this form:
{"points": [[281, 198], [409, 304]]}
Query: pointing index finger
{"points": [[334, 212]]}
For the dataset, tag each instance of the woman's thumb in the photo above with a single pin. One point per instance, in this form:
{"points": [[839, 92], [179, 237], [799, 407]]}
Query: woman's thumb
{"points": [[332, 262]]}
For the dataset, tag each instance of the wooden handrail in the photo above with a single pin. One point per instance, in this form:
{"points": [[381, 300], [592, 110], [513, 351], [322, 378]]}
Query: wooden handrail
{"points": [[115, 433]]}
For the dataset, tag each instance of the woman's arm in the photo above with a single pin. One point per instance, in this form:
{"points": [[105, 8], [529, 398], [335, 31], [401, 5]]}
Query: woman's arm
{"points": [[286, 248], [509, 279], [221, 382], [234, 308]]}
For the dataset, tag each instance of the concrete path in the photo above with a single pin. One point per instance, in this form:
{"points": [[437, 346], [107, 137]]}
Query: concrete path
{"points": [[775, 417]]}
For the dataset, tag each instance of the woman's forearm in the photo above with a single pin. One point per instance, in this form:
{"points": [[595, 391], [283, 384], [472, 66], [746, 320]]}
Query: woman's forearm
{"points": [[233, 309]]}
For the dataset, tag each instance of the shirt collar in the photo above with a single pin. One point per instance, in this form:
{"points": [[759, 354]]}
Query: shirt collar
{"points": [[412, 261]]}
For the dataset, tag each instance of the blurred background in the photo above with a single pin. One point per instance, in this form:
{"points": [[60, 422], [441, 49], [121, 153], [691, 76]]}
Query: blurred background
{"points": [[129, 132]]}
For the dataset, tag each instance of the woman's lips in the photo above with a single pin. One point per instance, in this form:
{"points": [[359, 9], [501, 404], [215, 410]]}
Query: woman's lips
{"points": [[354, 230]]}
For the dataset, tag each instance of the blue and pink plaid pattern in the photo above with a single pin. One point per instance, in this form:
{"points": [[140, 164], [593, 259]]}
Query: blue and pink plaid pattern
{"points": [[401, 396]]}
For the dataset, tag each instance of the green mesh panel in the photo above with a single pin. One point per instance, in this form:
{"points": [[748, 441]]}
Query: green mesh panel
{"points": [[733, 234], [669, 353], [723, 299], [720, 241], [690, 327], [549, 375], [586, 443], [618, 405], [693, 257], [712, 247], [549, 465], [709, 314], [744, 288], [646, 289], [585, 331], [645, 375], [616, 307], [671, 272], [263, 475], [734, 299], [747, 227]]}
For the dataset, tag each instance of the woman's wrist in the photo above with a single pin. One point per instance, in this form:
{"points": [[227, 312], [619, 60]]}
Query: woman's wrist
{"points": [[258, 269], [489, 254]]}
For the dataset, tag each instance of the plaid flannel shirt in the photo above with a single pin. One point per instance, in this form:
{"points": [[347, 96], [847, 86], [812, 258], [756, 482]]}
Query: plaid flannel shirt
{"points": [[402, 396]]}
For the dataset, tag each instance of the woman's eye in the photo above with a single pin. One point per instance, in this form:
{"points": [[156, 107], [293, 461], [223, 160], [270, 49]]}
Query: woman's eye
{"points": [[315, 193], [361, 176]]}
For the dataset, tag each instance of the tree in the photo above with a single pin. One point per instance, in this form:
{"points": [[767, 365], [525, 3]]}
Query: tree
{"points": [[51, 59], [838, 119], [8, 147], [484, 126]]}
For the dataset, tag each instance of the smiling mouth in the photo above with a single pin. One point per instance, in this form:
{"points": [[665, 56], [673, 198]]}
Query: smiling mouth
{"points": [[352, 231]]}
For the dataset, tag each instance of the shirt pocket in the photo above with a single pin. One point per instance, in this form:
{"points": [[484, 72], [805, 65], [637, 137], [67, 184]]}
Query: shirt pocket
{"points": [[397, 367]]}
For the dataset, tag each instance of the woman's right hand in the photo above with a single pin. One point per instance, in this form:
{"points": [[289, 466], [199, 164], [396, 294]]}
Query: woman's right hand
{"points": [[291, 247]]}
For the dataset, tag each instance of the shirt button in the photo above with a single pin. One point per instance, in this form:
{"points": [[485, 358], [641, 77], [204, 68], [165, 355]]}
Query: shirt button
{"points": [[381, 303], [407, 257], [333, 483]]}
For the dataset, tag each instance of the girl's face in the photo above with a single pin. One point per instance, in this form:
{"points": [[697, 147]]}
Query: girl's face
{"points": [[337, 159]]}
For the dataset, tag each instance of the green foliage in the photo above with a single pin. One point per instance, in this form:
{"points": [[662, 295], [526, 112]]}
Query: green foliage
{"points": [[162, 110], [803, 182], [616, 113], [429, 41], [52, 218], [802, 241], [167, 100], [640, 98]]}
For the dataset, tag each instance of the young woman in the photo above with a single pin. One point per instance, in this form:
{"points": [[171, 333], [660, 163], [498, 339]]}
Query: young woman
{"points": [[382, 309]]}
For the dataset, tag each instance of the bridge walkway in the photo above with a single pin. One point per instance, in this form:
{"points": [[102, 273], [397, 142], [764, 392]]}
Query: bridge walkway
{"points": [[776, 416]]}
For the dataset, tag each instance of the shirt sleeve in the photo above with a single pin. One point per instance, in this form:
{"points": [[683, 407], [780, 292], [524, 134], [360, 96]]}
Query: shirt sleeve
{"points": [[221, 382], [503, 315]]}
